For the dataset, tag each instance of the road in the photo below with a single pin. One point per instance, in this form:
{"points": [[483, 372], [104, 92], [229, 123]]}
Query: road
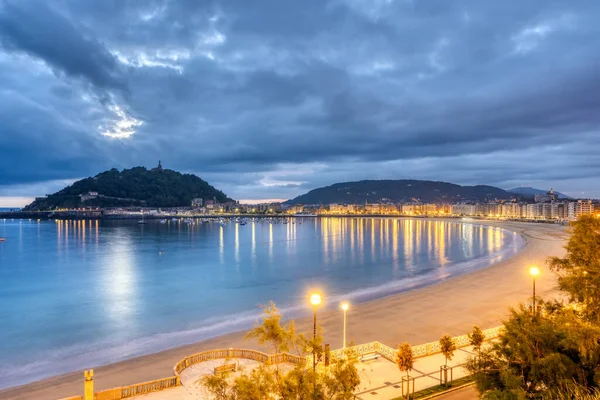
{"points": [[469, 393]]}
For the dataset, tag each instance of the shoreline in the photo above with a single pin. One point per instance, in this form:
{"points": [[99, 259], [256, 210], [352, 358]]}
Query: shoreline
{"points": [[414, 316]]}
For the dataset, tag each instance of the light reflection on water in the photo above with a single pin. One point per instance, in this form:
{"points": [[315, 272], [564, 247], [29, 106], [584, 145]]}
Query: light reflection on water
{"points": [[80, 293]]}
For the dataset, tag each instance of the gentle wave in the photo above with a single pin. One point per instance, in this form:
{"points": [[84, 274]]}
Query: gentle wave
{"points": [[78, 357]]}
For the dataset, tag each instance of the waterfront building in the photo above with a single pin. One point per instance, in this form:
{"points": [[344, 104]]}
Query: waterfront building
{"points": [[388, 209], [580, 207], [534, 211], [197, 202], [511, 210], [429, 209], [337, 209], [489, 209], [463, 209], [373, 208], [295, 209], [559, 211], [409, 209], [342, 209]]}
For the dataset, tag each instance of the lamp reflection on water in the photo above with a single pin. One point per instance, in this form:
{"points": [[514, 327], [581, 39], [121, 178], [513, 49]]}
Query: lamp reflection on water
{"points": [[221, 245], [271, 241], [395, 255], [253, 254], [237, 244], [118, 281]]}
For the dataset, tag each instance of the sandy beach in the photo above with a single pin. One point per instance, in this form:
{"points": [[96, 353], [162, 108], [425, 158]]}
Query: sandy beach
{"points": [[418, 316]]}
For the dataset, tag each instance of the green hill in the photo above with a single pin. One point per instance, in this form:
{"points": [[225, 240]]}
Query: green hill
{"points": [[137, 186], [396, 191]]}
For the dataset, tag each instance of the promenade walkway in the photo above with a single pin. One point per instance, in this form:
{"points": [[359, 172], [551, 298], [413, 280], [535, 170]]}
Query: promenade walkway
{"points": [[380, 379]]}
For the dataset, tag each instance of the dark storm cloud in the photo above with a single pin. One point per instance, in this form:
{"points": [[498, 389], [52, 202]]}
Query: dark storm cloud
{"points": [[271, 98], [43, 33]]}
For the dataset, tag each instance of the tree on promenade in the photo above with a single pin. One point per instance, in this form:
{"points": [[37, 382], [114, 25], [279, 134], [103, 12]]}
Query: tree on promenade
{"points": [[447, 346], [271, 332], [404, 358], [579, 270], [476, 338], [336, 382], [531, 357]]}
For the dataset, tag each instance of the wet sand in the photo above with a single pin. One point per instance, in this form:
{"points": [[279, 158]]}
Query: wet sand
{"points": [[419, 316]]}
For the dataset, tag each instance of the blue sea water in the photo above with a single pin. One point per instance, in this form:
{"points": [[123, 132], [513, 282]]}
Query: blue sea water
{"points": [[76, 294]]}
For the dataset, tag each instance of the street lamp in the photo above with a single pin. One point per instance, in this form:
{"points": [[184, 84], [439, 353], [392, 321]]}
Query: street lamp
{"points": [[534, 271], [345, 307], [315, 300]]}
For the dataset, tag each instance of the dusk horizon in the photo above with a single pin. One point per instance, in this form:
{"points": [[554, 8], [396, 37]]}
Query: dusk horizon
{"points": [[19, 202]]}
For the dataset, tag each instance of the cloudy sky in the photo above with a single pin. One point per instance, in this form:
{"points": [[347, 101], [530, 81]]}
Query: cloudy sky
{"points": [[269, 98]]}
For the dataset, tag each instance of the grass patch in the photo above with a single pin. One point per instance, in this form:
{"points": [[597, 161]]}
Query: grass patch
{"points": [[437, 389]]}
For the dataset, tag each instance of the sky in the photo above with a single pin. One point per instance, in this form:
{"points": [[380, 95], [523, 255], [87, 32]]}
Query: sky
{"points": [[269, 99]]}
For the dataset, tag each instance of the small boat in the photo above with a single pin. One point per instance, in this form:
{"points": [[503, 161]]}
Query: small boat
{"points": [[163, 221], [2, 239]]}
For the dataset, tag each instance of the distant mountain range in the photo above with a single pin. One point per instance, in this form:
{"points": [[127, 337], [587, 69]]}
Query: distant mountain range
{"points": [[375, 191], [529, 192], [137, 186]]}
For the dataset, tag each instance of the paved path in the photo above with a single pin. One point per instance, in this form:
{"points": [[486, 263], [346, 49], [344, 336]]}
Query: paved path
{"points": [[380, 379]]}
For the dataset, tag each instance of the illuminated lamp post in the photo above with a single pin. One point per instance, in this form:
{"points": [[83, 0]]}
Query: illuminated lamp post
{"points": [[345, 307], [315, 300], [534, 271]]}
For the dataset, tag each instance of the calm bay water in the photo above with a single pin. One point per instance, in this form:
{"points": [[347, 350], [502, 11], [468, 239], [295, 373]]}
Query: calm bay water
{"points": [[74, 294]]}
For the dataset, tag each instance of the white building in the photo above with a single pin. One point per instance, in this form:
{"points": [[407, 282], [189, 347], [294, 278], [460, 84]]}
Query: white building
{"points": [[460, 209], [511, 210], [534, 211], [580, 207]]}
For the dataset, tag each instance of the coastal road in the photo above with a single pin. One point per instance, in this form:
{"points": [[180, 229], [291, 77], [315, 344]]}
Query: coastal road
{"points": [[469, 393]]}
